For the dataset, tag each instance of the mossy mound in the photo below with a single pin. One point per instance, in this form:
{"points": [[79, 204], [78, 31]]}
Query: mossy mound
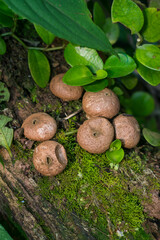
{"points": [[110, 201]]}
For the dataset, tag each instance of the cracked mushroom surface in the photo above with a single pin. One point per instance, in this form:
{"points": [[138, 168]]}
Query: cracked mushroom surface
{"points": [[50, 158], [39, 127], [64, 91], [104, 103], [95, 135], [127, 130]]}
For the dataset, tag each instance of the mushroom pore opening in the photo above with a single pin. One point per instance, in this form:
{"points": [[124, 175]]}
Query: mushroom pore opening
{"points": [[49, 160], [60, 155], [34, 121]]}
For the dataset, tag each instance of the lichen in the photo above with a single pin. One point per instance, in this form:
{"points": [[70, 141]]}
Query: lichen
{"points": [[109, 200]]}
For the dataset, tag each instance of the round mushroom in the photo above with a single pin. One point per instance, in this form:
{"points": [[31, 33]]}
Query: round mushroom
{"points": [[64, 91], [104, 103], [50, 158], [127, 130], [39, 127], [95, 135]]}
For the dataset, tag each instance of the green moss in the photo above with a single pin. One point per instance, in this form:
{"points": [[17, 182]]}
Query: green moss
{"points": [[107, 199], [20, 153]]}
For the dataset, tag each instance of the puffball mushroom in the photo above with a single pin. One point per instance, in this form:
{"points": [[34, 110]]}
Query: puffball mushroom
{"points": [[104, 103], [39, 127], [95, 135], [64, 91], [127, 130], [50, 158]]}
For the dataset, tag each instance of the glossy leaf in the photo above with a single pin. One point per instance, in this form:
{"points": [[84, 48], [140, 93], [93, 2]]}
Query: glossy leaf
{"points": [[149, 75], [39, 67], [111, 30], [96, 86], [151, 137], [98, 15], [128, 13], [154, 3], [4, 120], [4, 93], [118, 91], [115, 145], [69, 19], [129, 81], [46, 36], [149, 56], [115, 156], [142, 104], [78, 76], [6, 134], [75, 55], [5, 10], [119, 67], [6, 21], [151, 28], [2, 46], [100, 74], [3, 233]]}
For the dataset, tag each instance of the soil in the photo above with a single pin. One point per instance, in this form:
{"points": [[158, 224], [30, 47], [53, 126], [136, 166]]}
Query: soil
{"points": [[26, 98]]}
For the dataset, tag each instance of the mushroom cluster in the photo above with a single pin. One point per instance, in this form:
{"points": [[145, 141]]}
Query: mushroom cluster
{"points": [[49, 157], [94, 135]]}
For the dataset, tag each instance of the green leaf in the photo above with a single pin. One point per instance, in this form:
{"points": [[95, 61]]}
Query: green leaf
{"points": [[96, 86], [3, 233], [2, 46], [154, 3], [100, 74], [6, 21], [6, 137], [115, 156], [4, 93], [115, 145], [78, 76], [129, 81], [151, 28], [75, 55], [5, 10], [98, 15], [39, 67], [46, 36], [149, 75], [127, 13], [111, 30], [142, 104], [119, 67], [4, 120], [70, 20], [151, 137], [118, 91], [149, 56]]}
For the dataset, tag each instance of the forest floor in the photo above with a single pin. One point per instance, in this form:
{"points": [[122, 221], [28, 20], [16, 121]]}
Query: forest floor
{"points": [[26, 98]]}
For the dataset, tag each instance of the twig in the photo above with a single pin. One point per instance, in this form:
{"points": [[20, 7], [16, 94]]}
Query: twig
{"points": [[72, 114]]}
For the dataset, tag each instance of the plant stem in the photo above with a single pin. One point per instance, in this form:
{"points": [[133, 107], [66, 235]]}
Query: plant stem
{"points": [[47, 49], [20, 41], [71, 132], [72, 114], [34, 48], [139, 39]]}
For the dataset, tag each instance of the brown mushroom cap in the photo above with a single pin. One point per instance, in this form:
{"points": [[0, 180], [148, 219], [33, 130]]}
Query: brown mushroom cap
{"points": [[64, 91], [95, 135], [50, 158], [104, 103], [127, 130], [39, 127]]}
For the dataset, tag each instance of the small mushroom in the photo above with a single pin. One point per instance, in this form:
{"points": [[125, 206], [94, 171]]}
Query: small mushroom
{"points": [[64, 91], [50, 158], [127, 130], [95, 135], [39, 127], [104, 103]]}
